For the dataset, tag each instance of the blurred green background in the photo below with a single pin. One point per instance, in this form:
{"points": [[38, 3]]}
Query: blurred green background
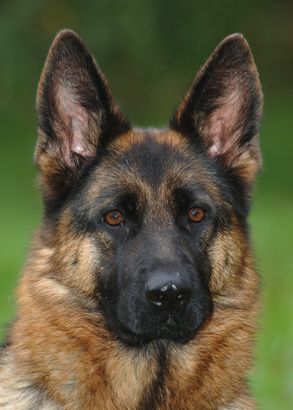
{"points": [[150, 51]]}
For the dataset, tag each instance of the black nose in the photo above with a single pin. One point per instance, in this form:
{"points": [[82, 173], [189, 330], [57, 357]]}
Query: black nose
{"points": [[168, 291]]}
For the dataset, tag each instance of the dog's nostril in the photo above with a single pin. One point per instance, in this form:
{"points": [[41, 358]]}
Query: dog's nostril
{"points": [[155, 296], [168, 296]]}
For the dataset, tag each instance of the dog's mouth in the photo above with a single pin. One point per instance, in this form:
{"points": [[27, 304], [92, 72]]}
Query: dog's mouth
{"points": [[135, 324], [169, 331]]}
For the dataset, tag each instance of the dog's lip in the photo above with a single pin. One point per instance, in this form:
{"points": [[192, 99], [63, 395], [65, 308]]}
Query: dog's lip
{"points": [[171, 322], [124, 329], [169, 332], [131, 338], [166, 324]]}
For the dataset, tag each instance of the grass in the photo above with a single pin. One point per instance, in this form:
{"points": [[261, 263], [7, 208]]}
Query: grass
{"points": [[273, 380], [272, 233]]}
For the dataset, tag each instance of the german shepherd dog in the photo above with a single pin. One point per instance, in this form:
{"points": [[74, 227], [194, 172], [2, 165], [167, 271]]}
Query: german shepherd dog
{"points": [[140, 290]]}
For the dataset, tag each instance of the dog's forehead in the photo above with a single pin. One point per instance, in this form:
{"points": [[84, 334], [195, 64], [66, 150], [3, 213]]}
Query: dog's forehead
{"points": [[155, 157], [151, 163]]}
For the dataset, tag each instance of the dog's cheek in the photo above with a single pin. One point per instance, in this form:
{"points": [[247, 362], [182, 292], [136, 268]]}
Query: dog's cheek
{"points": [[225, 253], [79, 258], [88, 266], [77, 261]]}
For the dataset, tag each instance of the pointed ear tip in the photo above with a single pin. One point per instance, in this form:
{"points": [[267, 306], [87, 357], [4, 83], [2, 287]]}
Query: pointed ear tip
{"points": [[66, 33], [235, 39], [64, 36], [64, 39]]}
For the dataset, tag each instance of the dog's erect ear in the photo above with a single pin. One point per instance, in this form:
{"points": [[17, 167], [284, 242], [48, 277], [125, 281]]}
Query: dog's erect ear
{"points": [[223, 108], [76, 112]]}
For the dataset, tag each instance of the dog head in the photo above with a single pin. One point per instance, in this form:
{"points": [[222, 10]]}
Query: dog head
{"points": [[148, 225]]}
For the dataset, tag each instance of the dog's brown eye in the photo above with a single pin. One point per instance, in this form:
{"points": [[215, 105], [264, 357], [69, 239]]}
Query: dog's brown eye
{"points": [[114, 218], [196, 214]]}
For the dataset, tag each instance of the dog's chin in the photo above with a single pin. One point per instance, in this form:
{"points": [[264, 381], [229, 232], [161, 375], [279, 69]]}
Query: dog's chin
{"points": [[173, 329], [164, 335]]}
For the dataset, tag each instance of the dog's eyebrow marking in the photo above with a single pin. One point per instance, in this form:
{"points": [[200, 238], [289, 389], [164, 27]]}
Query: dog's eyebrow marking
{"points": [[196, 194]]}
